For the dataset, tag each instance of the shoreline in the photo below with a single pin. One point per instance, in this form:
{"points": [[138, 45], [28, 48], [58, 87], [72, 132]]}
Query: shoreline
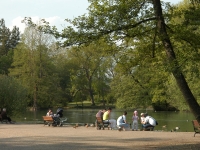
{"points": [[40, 137]]}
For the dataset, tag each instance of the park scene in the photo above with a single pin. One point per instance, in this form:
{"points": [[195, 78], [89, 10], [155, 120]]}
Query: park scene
{"points": [[123, 75]]}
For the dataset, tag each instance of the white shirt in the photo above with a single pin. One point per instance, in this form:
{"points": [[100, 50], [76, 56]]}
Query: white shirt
{"points": [[150, 120], [121, 119]]}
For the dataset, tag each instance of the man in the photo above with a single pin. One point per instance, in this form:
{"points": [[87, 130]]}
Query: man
{"points": [[122, 123], [106, 118], [149, 122]]}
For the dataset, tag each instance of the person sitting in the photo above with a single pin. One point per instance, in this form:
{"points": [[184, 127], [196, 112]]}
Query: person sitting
{"points": [[106, 118], [122, 123], [49, 113], [5, 117], [100, 113], [149, 122]]}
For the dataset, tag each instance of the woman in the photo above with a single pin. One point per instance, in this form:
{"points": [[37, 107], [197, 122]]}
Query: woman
{"points": [[49, 113]]}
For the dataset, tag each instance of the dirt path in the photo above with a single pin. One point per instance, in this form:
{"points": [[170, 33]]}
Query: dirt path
{"points": [[39, 137]]}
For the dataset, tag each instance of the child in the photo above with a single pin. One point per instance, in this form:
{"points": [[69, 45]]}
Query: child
{"points": [[135, 119], [142, 120]]}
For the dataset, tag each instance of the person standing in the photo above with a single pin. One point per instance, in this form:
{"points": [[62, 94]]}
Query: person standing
{"points": [[122, 123], [106, 118], [135, 119]]}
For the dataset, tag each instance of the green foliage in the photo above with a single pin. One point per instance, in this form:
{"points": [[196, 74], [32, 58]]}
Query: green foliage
{"points": [[163, 106], [33, 66], [88, 70], [12, 95], [63, 80], [5, 62], [131, 66], [8, 41], [185, 38]]}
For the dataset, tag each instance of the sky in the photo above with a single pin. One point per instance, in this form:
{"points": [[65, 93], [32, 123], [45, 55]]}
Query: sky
{"points": [[53, 11]]}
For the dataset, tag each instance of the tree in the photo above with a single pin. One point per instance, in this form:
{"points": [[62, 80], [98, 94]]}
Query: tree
{"points": [[176, 71], [63, 82], [8, 41], [124, 28], [117, 20], [13, 95], [87, 61], [185, 37], [33, 66]]}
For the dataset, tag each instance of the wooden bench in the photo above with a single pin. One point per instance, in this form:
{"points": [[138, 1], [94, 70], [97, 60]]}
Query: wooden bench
{"points": [[196, 126], [101, 124], [47, 120]]}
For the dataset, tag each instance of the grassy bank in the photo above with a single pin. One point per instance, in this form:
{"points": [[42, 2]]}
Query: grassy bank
{"points": [[87, 104]]}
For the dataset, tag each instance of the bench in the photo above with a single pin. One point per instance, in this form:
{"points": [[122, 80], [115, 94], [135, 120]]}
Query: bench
{"points": [[196, 126], [47, 120], [101, 124]]}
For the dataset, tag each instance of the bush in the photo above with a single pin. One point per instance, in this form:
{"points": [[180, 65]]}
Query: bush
{"points": [[12, 95]]}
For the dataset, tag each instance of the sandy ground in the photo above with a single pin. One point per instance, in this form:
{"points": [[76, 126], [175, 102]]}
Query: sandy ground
{"points": [[39, 137]]}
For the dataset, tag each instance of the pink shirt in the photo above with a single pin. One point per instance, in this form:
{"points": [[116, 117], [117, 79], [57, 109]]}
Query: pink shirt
{"points": [[135, 118]]}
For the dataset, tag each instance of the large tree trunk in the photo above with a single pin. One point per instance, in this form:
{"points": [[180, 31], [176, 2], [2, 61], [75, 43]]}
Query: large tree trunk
{"points": [[176, 71]]}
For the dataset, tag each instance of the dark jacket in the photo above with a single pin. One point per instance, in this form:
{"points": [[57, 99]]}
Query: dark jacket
{"points": [[4, 115]]}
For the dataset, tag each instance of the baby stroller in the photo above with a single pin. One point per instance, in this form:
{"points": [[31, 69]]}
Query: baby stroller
{"points": [[57, 118]]}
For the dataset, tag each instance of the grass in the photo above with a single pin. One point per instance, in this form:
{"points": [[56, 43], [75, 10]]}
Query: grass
{"points": [[87, 104]]}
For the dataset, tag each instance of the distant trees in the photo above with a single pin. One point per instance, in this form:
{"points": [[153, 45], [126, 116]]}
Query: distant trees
{"points": [[88, 71], [8, 41], [12, 95], [34, 66], [147, 23]]}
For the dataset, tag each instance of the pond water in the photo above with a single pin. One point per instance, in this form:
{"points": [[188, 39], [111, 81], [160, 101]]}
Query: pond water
{"points": [[165, 118]]}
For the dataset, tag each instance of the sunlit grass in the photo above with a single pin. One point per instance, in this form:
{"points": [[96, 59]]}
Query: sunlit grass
{"points": [[88, 104]]}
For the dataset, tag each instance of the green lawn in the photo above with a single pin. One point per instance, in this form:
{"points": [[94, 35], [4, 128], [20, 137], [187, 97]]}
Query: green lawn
{"points": [[87, 104]]}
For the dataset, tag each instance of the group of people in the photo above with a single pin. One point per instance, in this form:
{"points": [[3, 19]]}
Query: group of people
{"points": [[122, 124], [105, 115]]}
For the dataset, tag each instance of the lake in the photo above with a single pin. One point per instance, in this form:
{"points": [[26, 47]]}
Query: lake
{"points": [[167, 120]]}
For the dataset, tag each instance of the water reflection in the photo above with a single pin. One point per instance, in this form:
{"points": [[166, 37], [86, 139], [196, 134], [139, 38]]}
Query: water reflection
{"points": [[167, 121]]}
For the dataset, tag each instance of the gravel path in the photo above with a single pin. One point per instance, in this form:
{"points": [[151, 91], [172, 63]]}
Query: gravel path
{"points": [[39, 137]]}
